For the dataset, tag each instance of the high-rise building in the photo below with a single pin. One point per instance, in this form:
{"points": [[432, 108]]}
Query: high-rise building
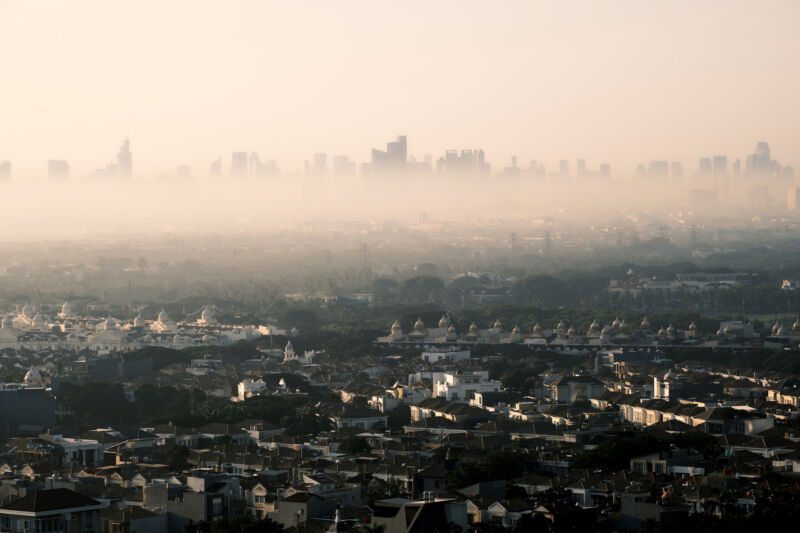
{"points": [[760, 163], [793, 199], [720, 166], [319, 167], [563, 168], [124, 163], [394, 159], [737, 168], [239, 164], [215, 169], [122, 167], [343, 167], [605, 170], [676, 170], [57, 170], [658, 170], [705, 167], [581, 168], [5, 170]]}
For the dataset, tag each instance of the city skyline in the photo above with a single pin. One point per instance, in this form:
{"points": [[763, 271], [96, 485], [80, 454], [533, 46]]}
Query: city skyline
{"points": [[627, 82]]}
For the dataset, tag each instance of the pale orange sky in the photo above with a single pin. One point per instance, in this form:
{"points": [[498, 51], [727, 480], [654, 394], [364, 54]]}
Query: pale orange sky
{"points": [[619, 81]]}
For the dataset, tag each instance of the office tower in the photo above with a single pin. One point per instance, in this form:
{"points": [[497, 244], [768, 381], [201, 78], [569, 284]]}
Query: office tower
{"points": [[793, 199], [787, 173], [468, 163], [737, 168], [319, 167], [5, 170], [57, 170], [676, 170], [513, 170], [605, 170], [658, 169], [343, 167], [122, 167], [255, 164], [563, 168], [581, 167], [394, 159], [760, 163], [215, 169], [705, 167], [239, 164], [124, 163], [720, 166]]}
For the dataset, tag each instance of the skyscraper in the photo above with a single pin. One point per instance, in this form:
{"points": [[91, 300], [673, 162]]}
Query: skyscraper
{"points": [[720, 166], [124, 164], [5, 170], [57, 170], [394, 159], [563, 168], [676, 170], [239, 164], [215, 169], [705, 167]]}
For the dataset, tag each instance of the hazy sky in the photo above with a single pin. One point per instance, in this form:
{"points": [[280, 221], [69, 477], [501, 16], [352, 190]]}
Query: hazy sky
{"points": [[622, 81]]}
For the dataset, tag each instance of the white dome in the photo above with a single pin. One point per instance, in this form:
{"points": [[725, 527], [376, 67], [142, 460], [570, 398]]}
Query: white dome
{"points": [[139, 320], [33, 375], [66, 309], [419, 325], [207, 315], [498, 324], [8, 322], [27, 310], [516, 331], [443, 322], [162, 316]]}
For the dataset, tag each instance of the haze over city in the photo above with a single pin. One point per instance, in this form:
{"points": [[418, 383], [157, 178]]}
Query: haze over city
{"points": [[399, 267]]}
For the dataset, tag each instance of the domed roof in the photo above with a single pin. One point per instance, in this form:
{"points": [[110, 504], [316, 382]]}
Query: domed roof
{"points": [[207, 315], [139, 320], [560, 325], [670, 330], [451, 329], [607, 329], [782, 331], [38, 321], [796, 325], [719, 331], [645, 323], [162, 316], [516, 331], [692, 326], [8, 322], [669, 375], [66, 309], [594, 325], [616, 323], [419, 324], [109, 323], [473, 328], [443, 322], [622, 324], [206, 339], [775, 328], [33, 375], [537, 329], [498, 324], [662, 331], [571, 331], [396, 325], [27, 310]]}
